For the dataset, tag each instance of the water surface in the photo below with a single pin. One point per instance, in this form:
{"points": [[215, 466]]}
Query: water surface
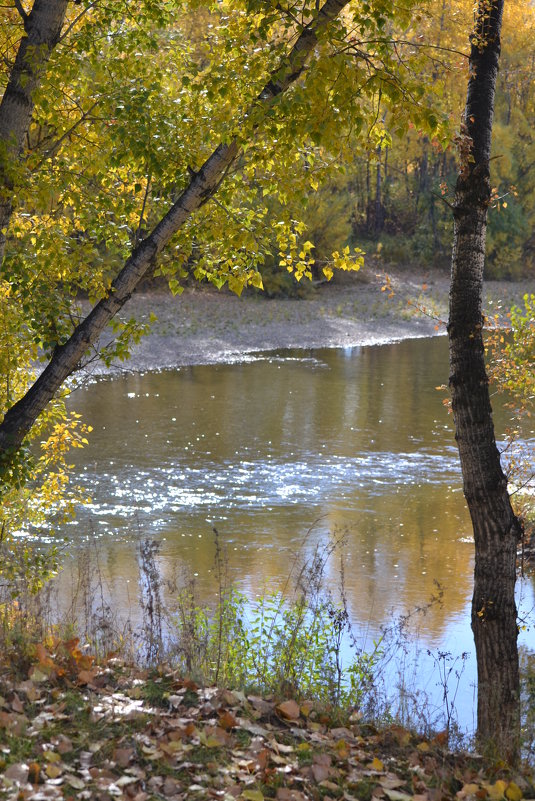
{"points": [[357, 442]]}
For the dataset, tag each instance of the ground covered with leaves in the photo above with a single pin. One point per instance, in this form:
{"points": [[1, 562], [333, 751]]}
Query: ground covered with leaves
{"points": [[71, 729]]}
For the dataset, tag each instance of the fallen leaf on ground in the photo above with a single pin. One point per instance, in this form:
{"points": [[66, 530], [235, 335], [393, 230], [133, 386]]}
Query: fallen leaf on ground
{"points": [[289, 710], [252, 795], [396, 795], [376, 764], [18, 772], [513, 792], [123, 756], [286, 794], [227, 720], [53, 771], [320, 772]]}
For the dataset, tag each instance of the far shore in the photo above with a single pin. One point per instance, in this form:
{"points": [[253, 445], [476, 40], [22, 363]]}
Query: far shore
{"points": [[204, 326]]}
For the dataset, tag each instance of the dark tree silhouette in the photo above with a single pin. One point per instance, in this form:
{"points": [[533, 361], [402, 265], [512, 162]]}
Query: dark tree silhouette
{"points": [[496, 528]]}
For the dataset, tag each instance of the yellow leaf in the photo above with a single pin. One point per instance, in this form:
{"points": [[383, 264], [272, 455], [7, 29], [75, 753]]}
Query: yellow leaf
{"points": [[252, 795], [496, 791], [53, 771], [328, 273], [513, 791], [341, 748], [256, 280], [468, 790], [306, 708], [38, 675], [210, 741], [377, 764], [172, 748], [303, 747], [423, 746]]}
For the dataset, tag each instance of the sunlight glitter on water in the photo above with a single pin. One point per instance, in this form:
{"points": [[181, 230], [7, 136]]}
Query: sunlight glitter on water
{"points": [[267, 450]]}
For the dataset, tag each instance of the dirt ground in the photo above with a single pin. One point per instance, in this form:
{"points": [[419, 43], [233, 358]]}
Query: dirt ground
{"points": [[204, 326]]}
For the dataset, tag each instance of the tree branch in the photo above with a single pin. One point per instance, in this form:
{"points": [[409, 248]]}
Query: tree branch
{"points": [[55, 147], [69, 27], [22, 12]]}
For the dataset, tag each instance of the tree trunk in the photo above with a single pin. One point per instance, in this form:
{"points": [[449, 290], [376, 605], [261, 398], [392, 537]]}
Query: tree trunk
{"points": [[496, 529], [378, 223], [42, 28], [67, 357], [368, 196]]}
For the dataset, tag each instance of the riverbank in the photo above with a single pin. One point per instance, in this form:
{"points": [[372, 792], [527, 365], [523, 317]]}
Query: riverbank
{"points": [[204, 326]]}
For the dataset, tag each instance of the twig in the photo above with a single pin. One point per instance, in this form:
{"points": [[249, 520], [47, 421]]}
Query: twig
{"points": [[69, 28], [55, 147], [443, 199]]}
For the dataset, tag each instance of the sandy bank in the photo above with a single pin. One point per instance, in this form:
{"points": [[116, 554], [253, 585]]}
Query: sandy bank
{"points": [[203, 326]]}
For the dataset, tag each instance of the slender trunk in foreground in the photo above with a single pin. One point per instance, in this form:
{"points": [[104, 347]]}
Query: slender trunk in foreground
{"points": [[496, 529], [66, 358]]}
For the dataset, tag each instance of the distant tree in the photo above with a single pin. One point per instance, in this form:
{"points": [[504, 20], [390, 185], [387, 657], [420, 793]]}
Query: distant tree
{"points": [[496, 528]]}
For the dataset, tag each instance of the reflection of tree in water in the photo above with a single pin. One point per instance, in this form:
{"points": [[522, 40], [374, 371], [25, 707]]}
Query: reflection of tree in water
{"points": [[397, 552], [527, 689], [264, 449]]}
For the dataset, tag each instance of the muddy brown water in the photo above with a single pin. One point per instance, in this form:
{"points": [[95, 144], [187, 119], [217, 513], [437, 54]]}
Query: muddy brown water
{"points": [[277, 452]]}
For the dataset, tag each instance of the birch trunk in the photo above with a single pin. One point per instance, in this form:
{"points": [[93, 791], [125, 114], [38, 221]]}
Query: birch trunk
{"points": [[42, 29], [66, 359], [496, 529]]}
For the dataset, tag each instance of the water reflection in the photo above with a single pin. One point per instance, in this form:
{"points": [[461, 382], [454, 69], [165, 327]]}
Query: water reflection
{"points": [[353, 441]]}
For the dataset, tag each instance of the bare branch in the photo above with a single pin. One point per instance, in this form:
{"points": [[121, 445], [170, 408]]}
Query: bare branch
{"points": [[422, 45]]}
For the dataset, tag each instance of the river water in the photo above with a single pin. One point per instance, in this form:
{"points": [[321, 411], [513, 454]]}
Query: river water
{"points": [[355, 442]]}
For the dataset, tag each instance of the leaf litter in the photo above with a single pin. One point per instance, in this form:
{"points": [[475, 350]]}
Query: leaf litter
{"points": [[80, 730]]}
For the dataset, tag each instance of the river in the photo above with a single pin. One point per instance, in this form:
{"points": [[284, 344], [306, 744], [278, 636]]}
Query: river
{"points": [[277, 452]]}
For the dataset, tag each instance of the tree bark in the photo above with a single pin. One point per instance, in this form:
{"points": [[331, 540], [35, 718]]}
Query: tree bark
{"points": [[378, 224], [496, 529], [66, 358], [42, 30]]}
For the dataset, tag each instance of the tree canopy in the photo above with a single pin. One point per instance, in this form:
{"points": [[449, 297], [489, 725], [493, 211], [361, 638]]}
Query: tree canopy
{"points": [[141, 114]]}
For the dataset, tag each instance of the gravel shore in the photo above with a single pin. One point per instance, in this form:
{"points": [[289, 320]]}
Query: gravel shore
{"points": [[204, 326]]}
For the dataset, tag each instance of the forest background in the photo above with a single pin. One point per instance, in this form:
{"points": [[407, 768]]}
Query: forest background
{"points": [[392, 199]]}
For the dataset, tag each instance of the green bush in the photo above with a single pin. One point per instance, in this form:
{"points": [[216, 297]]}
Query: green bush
{"points": [[296, 645]]}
